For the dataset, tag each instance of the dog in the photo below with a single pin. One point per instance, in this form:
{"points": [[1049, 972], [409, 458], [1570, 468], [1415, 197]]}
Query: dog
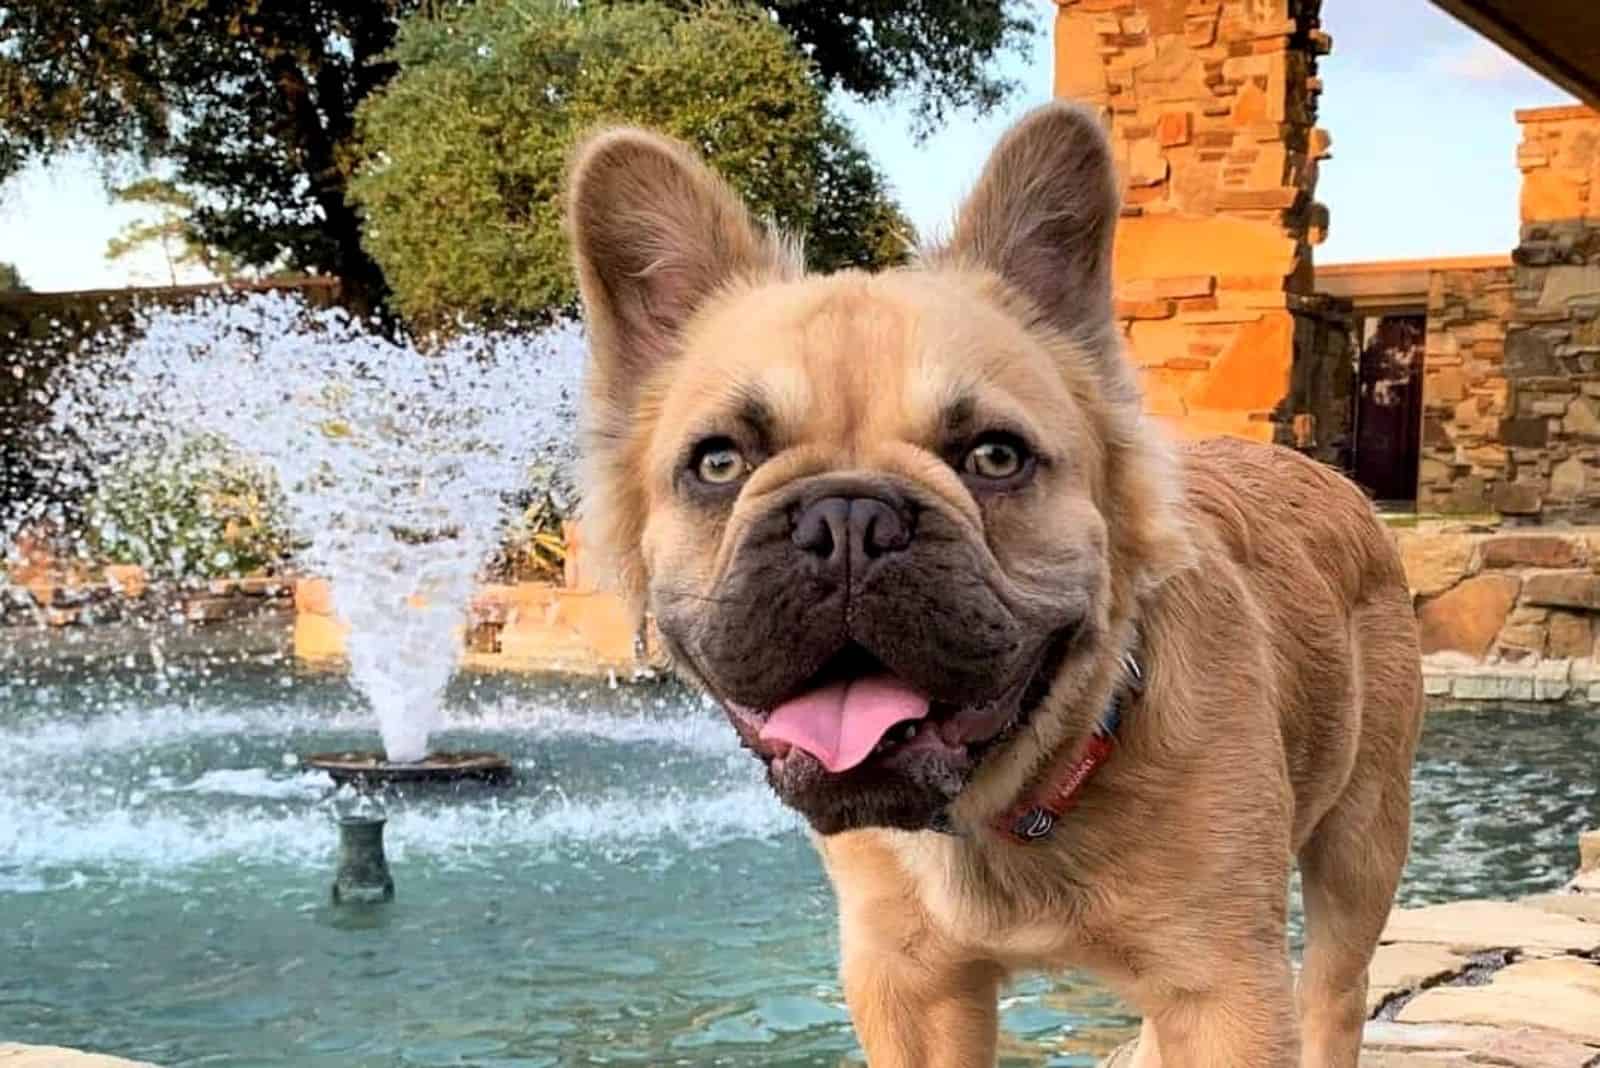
{"points": [[1050, 692]]}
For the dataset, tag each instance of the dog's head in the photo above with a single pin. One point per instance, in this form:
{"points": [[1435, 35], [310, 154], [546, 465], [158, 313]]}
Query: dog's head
{"points": [[895, 523]]}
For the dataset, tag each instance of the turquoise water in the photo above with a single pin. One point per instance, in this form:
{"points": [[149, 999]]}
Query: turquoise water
{"points": [[636, 898]]}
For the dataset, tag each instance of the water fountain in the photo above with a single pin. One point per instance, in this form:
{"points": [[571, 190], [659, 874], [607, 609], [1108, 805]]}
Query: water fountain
{"points": [[397, 465]]}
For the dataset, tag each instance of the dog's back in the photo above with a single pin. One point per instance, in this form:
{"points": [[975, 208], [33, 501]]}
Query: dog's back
{"points": [[1339, 623], [1341, 648]]}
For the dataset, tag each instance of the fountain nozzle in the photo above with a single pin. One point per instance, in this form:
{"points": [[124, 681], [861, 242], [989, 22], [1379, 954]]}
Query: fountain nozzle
{"points": [[363, 875]]}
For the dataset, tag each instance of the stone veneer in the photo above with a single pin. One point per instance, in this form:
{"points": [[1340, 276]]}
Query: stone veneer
{"points": [[1468, 443], [1512, 371], [1552, 354], [1211, 107], [1506, 614]]}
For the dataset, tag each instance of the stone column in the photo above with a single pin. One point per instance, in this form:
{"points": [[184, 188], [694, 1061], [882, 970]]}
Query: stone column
{"points": [[1466, 440], [1211, 106], [1552, 359]]}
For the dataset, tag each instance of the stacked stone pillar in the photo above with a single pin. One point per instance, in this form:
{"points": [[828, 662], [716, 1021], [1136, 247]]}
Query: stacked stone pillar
{"points": [[1211, 106], [1552, 349], [1467, 441]]}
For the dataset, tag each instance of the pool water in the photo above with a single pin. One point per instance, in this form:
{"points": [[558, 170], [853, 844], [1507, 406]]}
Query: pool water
{"points": [[636, 898]]}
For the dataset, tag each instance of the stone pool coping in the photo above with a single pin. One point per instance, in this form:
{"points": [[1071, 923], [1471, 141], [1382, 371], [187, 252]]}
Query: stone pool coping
{"points": [[17, 1055]]}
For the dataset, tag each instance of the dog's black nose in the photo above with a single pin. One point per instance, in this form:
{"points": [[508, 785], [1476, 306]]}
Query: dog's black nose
{"points": [[847, 533]]}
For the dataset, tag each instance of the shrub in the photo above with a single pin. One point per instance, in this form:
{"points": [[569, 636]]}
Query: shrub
{"points": [[198, 511]]}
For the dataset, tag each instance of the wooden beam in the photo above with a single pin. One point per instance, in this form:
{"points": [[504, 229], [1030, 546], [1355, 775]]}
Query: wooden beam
{"points": [[1512, 35]]}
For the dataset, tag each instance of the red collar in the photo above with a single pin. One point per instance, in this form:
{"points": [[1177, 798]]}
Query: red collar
{"points": [[1037, 813]]}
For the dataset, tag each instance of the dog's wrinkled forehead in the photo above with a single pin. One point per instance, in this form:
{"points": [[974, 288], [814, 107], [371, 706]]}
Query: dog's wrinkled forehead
{"points": [[853, 364]]}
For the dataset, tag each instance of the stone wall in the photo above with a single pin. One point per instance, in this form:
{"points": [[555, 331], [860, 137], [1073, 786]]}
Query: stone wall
{"points": [[1469, 445], [123, 594], [1506, 614], [1211, 107], [530, 627], [1552, 361]]}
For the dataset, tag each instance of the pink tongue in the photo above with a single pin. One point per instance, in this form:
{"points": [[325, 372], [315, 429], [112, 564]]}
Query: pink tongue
{"points": [[840, 724]]}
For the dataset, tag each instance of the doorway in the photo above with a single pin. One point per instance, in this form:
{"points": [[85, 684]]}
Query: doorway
{"points": [[1389, 408]]}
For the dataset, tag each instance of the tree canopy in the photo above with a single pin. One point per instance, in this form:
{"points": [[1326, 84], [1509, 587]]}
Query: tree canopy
{"points": [[467, 146], [250, 105], [937, 52], [11, 279], [250, 102]]}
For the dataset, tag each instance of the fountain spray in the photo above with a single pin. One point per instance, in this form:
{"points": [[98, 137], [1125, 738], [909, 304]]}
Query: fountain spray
{"points": [[397, 463]]}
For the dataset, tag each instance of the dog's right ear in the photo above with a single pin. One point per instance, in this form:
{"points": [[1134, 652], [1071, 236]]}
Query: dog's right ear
{"points": [[654, 234]]}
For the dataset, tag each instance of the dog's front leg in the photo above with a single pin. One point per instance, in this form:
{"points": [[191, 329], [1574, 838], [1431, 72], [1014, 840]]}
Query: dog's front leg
{"points": [[1246, 1023], [915, 1010], [918, 1000]]}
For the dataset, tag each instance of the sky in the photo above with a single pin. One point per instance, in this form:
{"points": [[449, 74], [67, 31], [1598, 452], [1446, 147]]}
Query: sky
{"points": [[1420, 110]]}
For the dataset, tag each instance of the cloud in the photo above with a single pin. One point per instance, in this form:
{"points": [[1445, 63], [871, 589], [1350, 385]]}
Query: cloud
{"points": [[1480, 62]]}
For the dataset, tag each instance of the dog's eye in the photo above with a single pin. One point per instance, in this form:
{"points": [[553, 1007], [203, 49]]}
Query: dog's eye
{"points": [[995, 459], [720, 463]]}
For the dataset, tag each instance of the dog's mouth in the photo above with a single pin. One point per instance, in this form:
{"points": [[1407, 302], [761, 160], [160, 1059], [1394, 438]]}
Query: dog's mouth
{"points": [[856, 715]]}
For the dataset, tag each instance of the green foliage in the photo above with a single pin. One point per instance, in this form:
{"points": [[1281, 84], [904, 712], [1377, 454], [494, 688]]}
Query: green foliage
{"points": [[854, 222], [200, 511], [937, 52], [468, 145], [250, 103], [11, 279]]}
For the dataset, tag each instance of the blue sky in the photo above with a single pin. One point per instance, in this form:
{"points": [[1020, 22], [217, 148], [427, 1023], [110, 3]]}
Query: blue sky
{"points": [[1420, 110]]}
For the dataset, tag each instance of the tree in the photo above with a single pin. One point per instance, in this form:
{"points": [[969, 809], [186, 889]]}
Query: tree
{"points": [[173, 230], [11, 279], [251, 103], [468, 144], [938, 52]]}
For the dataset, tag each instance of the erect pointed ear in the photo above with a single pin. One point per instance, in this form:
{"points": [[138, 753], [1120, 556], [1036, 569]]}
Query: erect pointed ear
{"points": [[1042, 216], [654, 233]]}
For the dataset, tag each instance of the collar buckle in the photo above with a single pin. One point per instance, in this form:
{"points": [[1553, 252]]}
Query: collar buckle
{"points": [[1035, 818]]}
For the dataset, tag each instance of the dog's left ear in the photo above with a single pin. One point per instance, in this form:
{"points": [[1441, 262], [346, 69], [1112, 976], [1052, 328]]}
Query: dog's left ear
{"points": [[1042, 216]]}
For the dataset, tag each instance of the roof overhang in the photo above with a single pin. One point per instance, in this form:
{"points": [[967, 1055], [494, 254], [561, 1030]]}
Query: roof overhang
{"points": [[1558, 38], [1390, 286]]}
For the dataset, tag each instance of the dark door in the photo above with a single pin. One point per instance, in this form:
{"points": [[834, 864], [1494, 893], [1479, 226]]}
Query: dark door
{"points": [[1389, 408]]}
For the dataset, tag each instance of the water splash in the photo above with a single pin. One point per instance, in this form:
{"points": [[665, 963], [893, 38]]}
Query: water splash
{"points": [[397, 464]]}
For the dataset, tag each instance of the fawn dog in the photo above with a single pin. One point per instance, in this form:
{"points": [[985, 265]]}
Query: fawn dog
{"points": [[1049, 692]]}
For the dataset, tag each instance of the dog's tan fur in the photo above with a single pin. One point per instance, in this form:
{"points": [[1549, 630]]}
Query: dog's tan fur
{"points": [[1283, 696]]}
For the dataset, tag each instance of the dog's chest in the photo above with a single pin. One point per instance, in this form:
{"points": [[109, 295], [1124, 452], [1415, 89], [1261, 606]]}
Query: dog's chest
{"points": [[996, 914]]}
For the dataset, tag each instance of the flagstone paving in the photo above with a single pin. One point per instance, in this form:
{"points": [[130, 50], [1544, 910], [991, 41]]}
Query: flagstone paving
{"points": [[1502, 984]]}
